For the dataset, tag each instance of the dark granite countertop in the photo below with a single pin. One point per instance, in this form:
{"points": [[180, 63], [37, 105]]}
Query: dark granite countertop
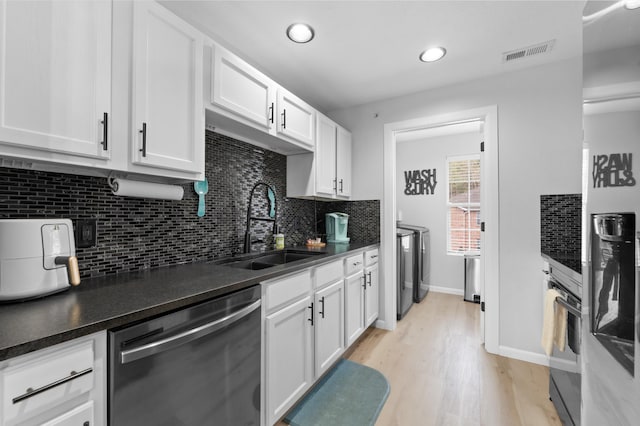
{"points": [[117, 300]]}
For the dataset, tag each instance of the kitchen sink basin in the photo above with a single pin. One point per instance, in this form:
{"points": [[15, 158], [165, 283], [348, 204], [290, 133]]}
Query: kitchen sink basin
{"points": [[268, 260]]}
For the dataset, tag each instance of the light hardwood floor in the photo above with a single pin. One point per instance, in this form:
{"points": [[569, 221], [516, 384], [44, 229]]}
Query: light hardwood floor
{"points": [[441, 375]]}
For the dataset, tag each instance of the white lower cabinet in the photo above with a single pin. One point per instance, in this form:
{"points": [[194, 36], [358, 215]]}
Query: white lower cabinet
{"points": [[362, 294], [304, 334], [61, 385], [371, 293], [81, 415], [288, 355], [354, 311], [329, 326]]}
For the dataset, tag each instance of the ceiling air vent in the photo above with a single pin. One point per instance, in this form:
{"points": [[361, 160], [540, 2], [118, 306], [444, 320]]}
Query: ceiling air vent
{"points": [[536, 49]]}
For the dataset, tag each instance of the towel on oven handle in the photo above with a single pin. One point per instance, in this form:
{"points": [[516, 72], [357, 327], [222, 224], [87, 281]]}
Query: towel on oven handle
{"points": [[554, 326]]}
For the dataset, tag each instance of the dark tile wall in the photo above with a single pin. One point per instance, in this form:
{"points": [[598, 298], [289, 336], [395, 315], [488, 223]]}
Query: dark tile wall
{"points": [[136, 234], [561, 228]]}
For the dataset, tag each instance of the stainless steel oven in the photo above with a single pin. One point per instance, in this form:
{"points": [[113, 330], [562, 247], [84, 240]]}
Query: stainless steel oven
{"points": [[196, 366], [564, 366]]}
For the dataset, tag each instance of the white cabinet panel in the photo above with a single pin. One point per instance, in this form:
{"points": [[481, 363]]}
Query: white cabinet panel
{"points": [[82, 415], [241, 89], [326, 156], [343, 163], [73, 367], [326, 173], [55, 76], [354, 311], [64, 384], [371, 295], [329, 326], [288, 357], [168, 111], [295, 118]]}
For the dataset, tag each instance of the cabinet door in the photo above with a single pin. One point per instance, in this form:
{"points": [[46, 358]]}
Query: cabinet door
{"points": [[343, 161], [325, 156], [55, 75], [371, 295], [329, 326], [168, 113], [81, 415], [295, 119], [241, 89], [288, 357], [354, 307]]}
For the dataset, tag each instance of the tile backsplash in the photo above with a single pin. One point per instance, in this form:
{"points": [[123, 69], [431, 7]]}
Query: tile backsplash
{"points": [[561, 228], [135, 233]]}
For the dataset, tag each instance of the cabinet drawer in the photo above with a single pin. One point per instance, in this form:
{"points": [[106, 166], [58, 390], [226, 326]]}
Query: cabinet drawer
{"points": [[281, 291], [43, 382], [329, 273], [81, 415], [370, 257], [353, 264]]}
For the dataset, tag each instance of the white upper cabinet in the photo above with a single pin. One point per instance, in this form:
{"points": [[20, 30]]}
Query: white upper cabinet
{"points": [[76, 96], [295, 118], [326, 156], [327, 172], [343, 163], [245, 104], [242, 90], [168, 111], [55, 78]]}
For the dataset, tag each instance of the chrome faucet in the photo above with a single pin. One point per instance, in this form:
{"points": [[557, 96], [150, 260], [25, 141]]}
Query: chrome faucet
{"points": [[273, 211]]}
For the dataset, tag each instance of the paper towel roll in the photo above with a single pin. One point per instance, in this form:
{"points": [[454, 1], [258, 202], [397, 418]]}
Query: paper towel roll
{"points": [[134, 188]]}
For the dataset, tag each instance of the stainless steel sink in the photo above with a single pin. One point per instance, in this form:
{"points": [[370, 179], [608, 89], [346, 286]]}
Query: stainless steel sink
{"points": [[270, 259]]}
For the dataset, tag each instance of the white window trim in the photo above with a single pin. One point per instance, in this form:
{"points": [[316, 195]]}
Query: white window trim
{"points": [[471, 206]]}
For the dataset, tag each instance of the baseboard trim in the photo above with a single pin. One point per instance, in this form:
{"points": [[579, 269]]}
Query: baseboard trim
{"points": [[522, 355], [383, 325], [447, 290]]}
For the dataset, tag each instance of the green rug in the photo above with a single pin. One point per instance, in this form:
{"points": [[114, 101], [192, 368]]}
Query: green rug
{"points": [[350, 394]]}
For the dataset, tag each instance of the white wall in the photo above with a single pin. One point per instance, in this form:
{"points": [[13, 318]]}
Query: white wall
{"points": [[430, 210], [540, 142]]}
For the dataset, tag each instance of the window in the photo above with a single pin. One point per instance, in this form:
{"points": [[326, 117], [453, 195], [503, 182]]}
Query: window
{"points": [[463, 204]]}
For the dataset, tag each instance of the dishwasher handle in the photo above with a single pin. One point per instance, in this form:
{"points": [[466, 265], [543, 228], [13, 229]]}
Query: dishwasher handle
{"points": [[185, 337]]}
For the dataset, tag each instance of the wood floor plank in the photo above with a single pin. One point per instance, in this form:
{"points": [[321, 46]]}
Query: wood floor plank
{"points": [[440, 374]]}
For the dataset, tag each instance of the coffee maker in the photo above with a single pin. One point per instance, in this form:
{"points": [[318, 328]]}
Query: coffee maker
{"points": [[337, 227]]}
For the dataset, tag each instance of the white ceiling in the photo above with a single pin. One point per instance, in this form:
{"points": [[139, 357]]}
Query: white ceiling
{"points": [[366, 51]]}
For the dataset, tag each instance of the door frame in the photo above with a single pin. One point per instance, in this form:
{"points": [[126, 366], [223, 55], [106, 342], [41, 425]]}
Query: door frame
{"points": [[490, 319]]}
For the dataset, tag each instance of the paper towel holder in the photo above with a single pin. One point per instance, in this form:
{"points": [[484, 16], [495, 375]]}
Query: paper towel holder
{"points": [[141, 189]]}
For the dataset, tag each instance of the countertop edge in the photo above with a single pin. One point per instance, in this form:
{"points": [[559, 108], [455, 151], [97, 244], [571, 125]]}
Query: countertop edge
{"points": [[125, 318]]}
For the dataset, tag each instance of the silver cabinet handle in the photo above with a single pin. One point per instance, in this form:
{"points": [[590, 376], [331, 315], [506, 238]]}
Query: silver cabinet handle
{"points": [[356, 263], [32, 392], [186, 336]]}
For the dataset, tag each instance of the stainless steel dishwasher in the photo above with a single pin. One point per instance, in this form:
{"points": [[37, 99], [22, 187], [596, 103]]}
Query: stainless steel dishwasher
{"points": [[197, 366]]}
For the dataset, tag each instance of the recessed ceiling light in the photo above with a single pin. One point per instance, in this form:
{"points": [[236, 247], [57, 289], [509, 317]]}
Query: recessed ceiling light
{"points": [[433, 54], [300, 33]]}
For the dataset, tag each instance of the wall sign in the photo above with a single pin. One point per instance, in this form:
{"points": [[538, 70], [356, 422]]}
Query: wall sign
{"points": [[612, 170], [420, 182]]}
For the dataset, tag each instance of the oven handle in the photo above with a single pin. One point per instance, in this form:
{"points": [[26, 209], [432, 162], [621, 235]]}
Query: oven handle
{"points": [[568, 307], [171, 342]]}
